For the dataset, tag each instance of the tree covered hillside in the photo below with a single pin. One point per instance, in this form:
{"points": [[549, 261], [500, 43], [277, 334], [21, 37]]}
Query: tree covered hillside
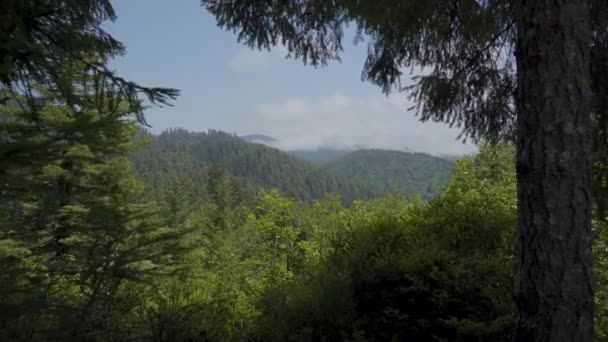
{"points": [[181, 153], [395, 171], [320, 156], [361, 174]]}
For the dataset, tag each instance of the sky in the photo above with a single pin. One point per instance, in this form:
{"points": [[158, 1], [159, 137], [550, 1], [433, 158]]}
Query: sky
{"points": [[227, 86]]}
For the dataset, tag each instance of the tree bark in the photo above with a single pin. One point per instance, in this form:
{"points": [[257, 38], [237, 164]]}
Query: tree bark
{"points": [[554, 294]]}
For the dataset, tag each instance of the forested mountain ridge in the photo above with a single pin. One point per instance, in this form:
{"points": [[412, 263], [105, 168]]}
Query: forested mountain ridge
{"points": [[361, 174], [179, 152], [395, 171]]}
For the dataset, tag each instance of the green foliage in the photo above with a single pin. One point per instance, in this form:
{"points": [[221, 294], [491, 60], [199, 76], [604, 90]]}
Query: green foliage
{"points": [[394, 269], [364, 174], [39, 38], [220, 264], [74, 225], [257, 167], [466, 51], [397, 172], [216, 245], [319, 156]]}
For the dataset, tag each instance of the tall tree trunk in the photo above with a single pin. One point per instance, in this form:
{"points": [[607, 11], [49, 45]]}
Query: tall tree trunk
{"points": [[554, 293]]}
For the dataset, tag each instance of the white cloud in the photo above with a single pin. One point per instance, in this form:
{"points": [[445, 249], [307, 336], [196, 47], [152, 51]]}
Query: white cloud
{"points": [[249, 60], [343, 121]]}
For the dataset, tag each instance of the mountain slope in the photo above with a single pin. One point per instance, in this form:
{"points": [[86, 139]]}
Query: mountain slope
{"points": [[257, 166], [395, 171], [319, 156]]}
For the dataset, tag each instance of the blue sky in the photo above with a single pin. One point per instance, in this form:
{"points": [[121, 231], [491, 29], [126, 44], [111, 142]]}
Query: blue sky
{"points": [[227, 86]]}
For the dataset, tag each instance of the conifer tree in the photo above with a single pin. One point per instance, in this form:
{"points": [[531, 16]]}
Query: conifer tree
{"points": [[521, 70], [38, 37], [75, 226]]}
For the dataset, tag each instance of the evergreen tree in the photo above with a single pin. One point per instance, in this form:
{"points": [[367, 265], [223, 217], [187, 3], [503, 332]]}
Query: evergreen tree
{"points": [[223, 189], [179, 199], [39, 37], [75, 226], [514, 69]]}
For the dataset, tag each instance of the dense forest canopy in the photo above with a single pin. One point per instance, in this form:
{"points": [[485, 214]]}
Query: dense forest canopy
{"points": [[529, 72], [357, 175], [409, 173], [264, 266], [319, 156], [109, 233]]}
